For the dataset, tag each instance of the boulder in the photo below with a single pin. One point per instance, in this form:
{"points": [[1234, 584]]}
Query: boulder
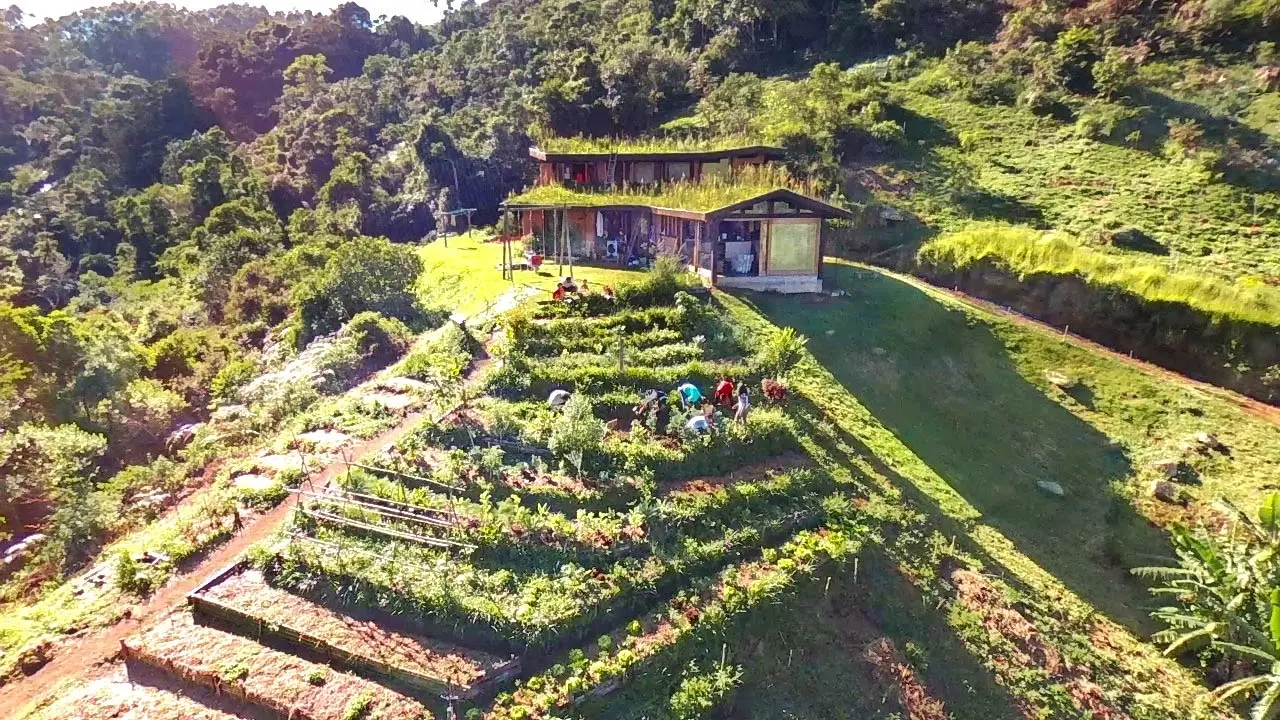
{"points": [[1169, 467], [1051, 487], [1206, 442], [1168, 492], [181, 437]]}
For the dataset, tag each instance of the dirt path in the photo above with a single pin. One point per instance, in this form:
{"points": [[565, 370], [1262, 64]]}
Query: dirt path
{"points": [[88, 655], [1254, 407]]}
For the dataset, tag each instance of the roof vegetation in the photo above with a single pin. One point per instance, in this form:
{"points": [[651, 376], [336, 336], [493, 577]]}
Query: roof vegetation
{"points": [[582, 145], [703, 196], [1026, 251]]}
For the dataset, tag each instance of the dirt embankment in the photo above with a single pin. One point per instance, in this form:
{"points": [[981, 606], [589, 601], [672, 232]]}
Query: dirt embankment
{"points": [[1234, 354]]}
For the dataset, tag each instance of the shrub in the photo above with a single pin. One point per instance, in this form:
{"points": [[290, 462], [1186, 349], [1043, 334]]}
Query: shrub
{"points": [[659, 285], [578, 434], [364, 274], [317, 677], [127, 576], [378, 337], [775, 391], [231, 378]]}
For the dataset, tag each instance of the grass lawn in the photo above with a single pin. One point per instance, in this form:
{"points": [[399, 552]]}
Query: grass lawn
{"points": [[466, 278], [957, 403]]}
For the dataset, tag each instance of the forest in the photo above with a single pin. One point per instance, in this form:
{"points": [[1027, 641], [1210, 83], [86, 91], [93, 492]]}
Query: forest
{"points": [[189, 199]]}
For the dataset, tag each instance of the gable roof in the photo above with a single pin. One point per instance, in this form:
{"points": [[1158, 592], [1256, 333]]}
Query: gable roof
{"points": [[821, 208]]}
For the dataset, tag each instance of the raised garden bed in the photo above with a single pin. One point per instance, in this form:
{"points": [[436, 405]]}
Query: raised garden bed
{"points": [[119, 696], [278, 682], [371, 644]]}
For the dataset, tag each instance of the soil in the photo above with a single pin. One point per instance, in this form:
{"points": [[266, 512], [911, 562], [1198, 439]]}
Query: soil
{"points": [[754, 471], [269, 678], [1030, 647], [249, 593], [130, 695], [86, 655]]}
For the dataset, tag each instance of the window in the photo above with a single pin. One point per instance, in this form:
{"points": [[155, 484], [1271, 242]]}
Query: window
{"points": [[793, 247], [643, 172], [678, 171]]}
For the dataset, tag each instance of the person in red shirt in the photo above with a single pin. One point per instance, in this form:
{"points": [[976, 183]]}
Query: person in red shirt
{"points": [[558, 295], [723, 394]]}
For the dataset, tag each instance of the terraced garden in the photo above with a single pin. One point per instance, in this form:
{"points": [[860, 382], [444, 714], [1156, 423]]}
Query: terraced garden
{"points": [[510, 559]]}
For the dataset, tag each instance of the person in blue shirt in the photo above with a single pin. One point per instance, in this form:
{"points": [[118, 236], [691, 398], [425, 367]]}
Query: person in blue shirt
{"points": [[690, 395]]}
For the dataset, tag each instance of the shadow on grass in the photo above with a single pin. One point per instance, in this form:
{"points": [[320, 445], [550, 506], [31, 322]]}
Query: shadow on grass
{"points": [[945, 385]]}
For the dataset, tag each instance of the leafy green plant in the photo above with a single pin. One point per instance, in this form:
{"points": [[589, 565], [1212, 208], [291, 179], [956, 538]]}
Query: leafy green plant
{"points": [[578, 434], [360, 707], [701, 692], [1225, 601], [317, 677], [781, 351]]}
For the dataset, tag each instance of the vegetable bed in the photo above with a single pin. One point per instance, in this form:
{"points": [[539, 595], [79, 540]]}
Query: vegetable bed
{"points": [[273, 680], [359, 644]]}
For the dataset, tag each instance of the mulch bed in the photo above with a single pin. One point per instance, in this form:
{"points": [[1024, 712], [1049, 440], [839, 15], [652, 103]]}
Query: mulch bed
{"points": [[249, 593], [267, 678], [116, 696]]}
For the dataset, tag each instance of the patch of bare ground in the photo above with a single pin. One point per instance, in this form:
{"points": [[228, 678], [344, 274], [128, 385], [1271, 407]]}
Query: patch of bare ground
{"points": [[889, 669], [249, 593], [279, 682], [121, 696], [1029, 648], [754, 471]]}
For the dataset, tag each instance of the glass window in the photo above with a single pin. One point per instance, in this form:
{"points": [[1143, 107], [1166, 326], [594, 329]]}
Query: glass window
{"points": [[643, 172], [678, 170], [793, 248]]}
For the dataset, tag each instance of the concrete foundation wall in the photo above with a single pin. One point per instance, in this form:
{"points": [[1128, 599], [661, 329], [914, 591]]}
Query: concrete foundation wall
{"points": [[786, 284]]}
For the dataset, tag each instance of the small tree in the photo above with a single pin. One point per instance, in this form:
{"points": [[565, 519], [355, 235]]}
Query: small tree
{"points": [[578, 433]]}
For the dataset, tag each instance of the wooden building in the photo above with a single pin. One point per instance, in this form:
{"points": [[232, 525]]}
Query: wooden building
{"points": [[770, 240]]}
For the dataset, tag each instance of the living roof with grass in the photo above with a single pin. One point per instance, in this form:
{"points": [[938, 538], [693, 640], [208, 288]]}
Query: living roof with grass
{"points": [[703, 196], [651, 145]]}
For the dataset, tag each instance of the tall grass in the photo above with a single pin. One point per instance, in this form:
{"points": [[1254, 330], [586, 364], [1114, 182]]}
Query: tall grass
{"points": [[652, 144], [1026, 251], [704, 195]]}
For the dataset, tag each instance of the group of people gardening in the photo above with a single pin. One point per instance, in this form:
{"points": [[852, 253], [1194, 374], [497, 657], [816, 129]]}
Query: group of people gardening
{"points": [[727, 394], [655, 411]]}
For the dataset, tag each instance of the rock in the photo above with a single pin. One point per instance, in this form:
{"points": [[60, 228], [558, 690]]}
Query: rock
{"points": [[879, 350], [891, 214], [230, 412], [1058, 379], [1165, 491], [1206, 442], [1169, 467], [1051, 487], [35, 657]]}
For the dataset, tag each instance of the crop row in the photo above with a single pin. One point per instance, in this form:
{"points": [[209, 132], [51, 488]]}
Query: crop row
{"points": [[707, 609], [507, 609]]}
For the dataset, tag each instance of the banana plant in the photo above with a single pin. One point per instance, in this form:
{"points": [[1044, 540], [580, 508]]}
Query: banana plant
{"points": [[1225, 597]]}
